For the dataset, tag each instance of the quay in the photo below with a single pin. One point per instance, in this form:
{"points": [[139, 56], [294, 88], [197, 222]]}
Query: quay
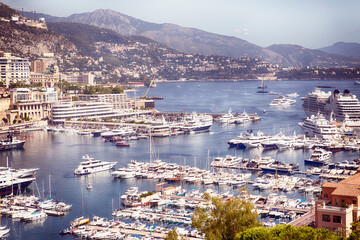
{"points": [[253, 116], [133, 232]]}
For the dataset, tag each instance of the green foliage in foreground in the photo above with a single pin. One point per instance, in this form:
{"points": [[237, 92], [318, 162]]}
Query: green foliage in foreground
{"points": [[355, 230], [225, 218], [287, 232]]}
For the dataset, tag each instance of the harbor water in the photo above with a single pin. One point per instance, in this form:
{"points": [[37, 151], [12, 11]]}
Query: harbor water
{"points": [[58, 154]]}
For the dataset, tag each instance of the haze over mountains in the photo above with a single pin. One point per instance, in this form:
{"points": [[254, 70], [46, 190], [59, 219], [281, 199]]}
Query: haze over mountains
{"points": [[192, 40]]}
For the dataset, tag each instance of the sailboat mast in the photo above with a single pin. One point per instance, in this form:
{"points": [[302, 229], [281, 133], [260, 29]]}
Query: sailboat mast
{"points": [[49, 185]]}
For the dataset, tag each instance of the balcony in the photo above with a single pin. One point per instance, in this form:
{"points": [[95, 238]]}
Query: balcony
{"points": [[334, 209]]}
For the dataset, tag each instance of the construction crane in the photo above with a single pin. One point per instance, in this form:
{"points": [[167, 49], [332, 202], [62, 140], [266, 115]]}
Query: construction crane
{"points": [[151, 83]]}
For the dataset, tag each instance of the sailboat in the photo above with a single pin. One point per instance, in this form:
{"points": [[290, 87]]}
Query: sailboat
{"points": [[262, 87]]}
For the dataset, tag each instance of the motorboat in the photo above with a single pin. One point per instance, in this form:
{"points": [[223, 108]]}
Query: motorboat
{"points": [[227, 118], [282, 101], [122, 144], [320, 156], [35, 216], [280, 167], [90, 165], [12, 184], [11, 143]]}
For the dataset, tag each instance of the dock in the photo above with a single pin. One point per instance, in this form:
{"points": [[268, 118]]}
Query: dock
{"points": [[304, 220], [128, 231]]}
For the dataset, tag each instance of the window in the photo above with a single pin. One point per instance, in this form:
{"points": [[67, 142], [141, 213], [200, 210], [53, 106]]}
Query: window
{"points": [[354, 201], [326, 218], [336, 219], [326, 196]]}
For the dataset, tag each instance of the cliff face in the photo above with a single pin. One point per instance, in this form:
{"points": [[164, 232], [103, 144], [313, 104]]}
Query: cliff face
{"points": [[30, 42]]}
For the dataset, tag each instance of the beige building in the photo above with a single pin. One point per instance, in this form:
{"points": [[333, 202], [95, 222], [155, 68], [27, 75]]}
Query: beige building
{"points": [[87, 79], [14, 69], [39, 66], [4, 103], [338, 206], [143, 103], [32, 105]]}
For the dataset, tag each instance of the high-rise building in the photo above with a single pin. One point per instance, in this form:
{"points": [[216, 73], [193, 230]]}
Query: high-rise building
{"points": [[14, 69]]}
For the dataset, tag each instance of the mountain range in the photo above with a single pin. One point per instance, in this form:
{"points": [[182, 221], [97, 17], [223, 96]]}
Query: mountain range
{"points": [[192, 40]]}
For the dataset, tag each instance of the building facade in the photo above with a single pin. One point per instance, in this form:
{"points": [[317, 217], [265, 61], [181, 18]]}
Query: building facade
{"points": [[87, 79], [119, 101], [14, 69], [80, 109], [338, 206], [32, 105], [47, 80]]}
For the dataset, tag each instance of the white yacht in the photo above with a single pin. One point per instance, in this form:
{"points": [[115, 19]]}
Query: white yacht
{"points": [[90, 165], [227, 118], [196, 123], [344, 106], [227, 161], [35, 216], [160, 128], [319, 157], [320, 127], [282, 101], [121, 131], [10, 184]]}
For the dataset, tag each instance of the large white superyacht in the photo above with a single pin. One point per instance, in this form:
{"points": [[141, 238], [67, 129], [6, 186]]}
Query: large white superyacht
{"points": [[318, 126], [90, 165], [344, 107]]}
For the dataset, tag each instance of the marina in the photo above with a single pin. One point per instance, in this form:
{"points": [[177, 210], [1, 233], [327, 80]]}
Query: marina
{"points": [[194, 150]]}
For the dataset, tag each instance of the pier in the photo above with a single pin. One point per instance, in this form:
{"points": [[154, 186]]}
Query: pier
{"points": [[128, 231]]}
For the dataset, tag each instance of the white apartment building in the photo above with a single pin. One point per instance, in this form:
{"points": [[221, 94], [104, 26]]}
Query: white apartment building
{"points": [[119, 101], [79, 109], [14, 69]]}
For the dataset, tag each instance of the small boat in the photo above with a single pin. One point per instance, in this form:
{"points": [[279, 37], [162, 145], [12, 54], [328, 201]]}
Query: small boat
{"points": [[35, 216], [325, 86], [54, 213], [157, 98], [262, 91], [89, 186], [4, 231], [319, 157], [80, 221], [11, 143], [357, 82], [122, 144], [262, 85]]}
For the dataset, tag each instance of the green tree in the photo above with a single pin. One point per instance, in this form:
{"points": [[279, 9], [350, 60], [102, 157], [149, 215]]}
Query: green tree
{"points": [[224, 219], [5, 120], [355, 230], [287, 232], [172, 235]]}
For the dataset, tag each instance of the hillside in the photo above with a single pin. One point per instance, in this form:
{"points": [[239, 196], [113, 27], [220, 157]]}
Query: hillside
{"points": [[303, 57], [195, 41], [84, 36], [141, 56], [187, 40], [346, 49]]}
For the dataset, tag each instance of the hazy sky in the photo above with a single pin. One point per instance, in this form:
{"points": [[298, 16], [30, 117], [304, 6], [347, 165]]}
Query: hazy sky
{"points": [[309, 23]]}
